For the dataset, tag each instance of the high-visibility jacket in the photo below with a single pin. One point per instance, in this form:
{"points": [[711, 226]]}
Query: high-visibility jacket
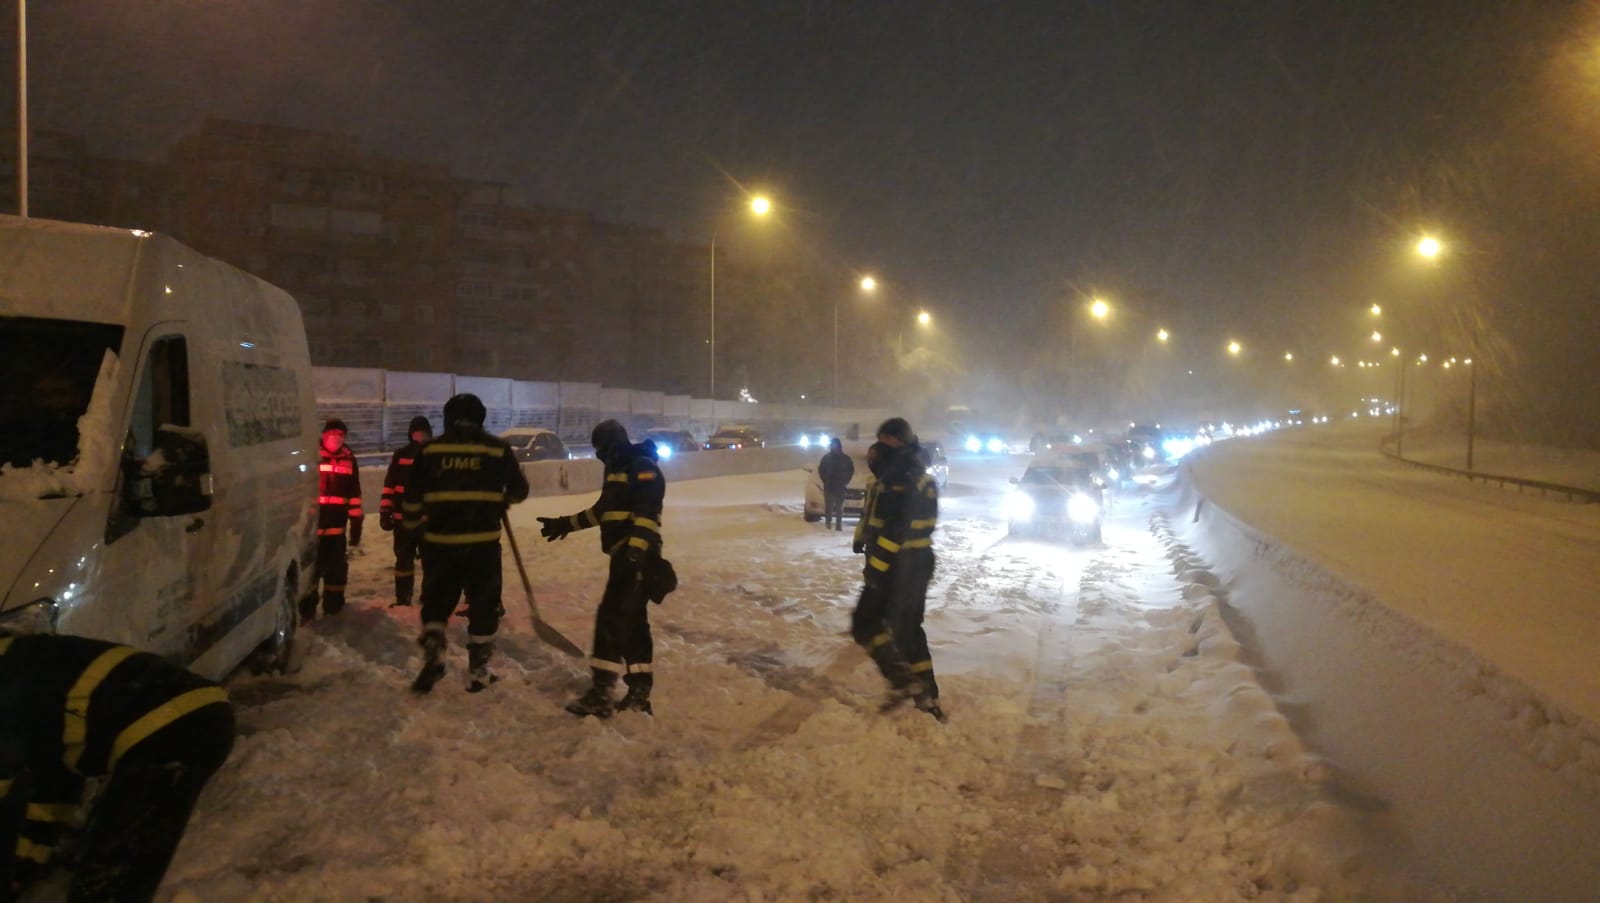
{"points": [[908, 507], [341, 491], [870, 523], [460, 486], [628, 511], [394, 479], [70, 709]]}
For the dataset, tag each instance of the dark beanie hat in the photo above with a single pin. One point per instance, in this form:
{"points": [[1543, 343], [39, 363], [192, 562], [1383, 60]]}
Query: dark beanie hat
{"points": [[419, 422], [334, 424], [898, 428]]}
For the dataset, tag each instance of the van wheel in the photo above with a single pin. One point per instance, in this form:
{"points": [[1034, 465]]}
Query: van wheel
{"points": [[276, 655]]}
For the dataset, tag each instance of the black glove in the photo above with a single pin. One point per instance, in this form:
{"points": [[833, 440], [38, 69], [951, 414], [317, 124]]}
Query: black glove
{"points": [[858, 547], [386, 521], [355, 531], [635, 557], [554, 528]]}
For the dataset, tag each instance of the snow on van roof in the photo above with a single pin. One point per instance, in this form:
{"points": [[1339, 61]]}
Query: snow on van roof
{"points": [[66, 271]]}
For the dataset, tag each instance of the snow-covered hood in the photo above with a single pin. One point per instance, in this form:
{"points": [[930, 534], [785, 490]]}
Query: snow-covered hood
{"points": [[28, 525]]}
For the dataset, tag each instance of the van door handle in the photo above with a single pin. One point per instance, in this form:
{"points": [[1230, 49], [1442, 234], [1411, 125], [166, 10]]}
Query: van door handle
{"points": [[195, 526]]}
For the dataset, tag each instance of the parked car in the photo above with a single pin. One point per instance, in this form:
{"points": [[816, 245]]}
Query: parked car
{"points": [[670, 442], [815, 437], [933, 458], [854, 495], [1057, 498], [732, 438], [531, 443]]}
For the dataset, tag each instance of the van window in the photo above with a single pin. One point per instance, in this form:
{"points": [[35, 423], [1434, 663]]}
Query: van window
{"points": [[48, 371], [163, 396]]}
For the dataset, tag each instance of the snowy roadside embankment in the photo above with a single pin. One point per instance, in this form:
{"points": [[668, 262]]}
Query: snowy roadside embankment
{"points": [[1482, 780]]}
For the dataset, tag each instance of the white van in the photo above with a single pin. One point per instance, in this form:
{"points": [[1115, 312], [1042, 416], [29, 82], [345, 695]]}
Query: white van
{"points": [[158, 463]]}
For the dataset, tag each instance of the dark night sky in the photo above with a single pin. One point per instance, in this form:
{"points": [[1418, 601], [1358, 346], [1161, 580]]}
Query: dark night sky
{"points": [[1248, 166]]}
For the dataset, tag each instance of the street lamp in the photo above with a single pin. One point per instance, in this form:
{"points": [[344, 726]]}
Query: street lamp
{"points": [[1162, 335], [760, 206], [1234, 348], [1430, 248], [868, 285]]}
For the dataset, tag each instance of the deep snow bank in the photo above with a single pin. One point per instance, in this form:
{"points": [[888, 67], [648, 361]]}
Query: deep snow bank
{"points": [[1484, 786]]}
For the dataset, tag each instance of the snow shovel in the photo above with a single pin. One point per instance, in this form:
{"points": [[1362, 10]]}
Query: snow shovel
{"points": [[548, 634]]}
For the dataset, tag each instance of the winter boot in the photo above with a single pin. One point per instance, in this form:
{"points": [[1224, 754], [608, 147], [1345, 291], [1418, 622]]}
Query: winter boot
{"points": [[637, 699], [332, 602], [402, 602], [308, 608], [927, 702], [479, 677], [597, 702], [432, 642], [899, 695]]}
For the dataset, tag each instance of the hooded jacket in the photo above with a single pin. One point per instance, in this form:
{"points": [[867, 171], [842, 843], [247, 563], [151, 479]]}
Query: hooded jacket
{"points": [[628, 511]]}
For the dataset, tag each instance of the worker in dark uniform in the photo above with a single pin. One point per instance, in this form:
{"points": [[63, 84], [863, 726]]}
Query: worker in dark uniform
{"points": [[834, 471], [394, 493], [73, 709], [340, 510], [457, 495], [900, 564], [869, 623], [628, 514]]}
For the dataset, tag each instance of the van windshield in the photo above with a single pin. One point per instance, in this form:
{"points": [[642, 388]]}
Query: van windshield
{"points": [[46, 378]]}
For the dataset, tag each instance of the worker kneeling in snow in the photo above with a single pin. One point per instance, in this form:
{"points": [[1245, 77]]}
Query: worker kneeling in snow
{"points": [[74, 709]]}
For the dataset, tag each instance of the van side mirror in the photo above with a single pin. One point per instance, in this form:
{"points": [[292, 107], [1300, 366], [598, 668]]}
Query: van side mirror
{"points": [[174, 479]]}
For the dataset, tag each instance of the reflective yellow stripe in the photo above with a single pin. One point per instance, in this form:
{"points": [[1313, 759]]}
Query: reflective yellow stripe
{"points": [[463, 495], [925, 523], [27, 849], [461, 539], [52, 812], [616, 515], [875, 522], [921, 666], [616, 478], [5, 787], [462, 448], [75, 725], [163, 715], [5, 643], [888, 545], [411, 507], [878, 563], [585, 518], [917, 544], [600, 664], [638, 543], [881, 639], [647, 524]]}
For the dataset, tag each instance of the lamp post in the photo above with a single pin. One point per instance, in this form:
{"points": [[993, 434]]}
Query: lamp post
{"points": [[868, 285], [760, 206], [1429, 248], [22, 108]]}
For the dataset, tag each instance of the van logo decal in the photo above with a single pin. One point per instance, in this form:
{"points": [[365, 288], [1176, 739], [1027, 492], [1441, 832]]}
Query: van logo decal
{"points": [[262, 403]]}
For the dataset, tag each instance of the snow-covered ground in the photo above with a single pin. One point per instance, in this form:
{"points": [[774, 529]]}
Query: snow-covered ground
{"points": [[1121, 727]]}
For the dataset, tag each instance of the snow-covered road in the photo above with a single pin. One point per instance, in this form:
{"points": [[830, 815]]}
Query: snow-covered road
{"points": [[1109, 736]]}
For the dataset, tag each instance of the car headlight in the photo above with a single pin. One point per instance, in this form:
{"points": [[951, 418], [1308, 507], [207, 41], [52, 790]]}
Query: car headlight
{"points": [[996, 446], [1081, 509], [973, 444], [1111, 472], [664, 451], [805, 441], [1019, 506], [1149, 453]]}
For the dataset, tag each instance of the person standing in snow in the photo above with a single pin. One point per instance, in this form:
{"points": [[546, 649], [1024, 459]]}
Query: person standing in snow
{"points": [[394, 493], [900, 564], [74, 709], [340, 510], [628, 514], [835, 471], [457, 495]]}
